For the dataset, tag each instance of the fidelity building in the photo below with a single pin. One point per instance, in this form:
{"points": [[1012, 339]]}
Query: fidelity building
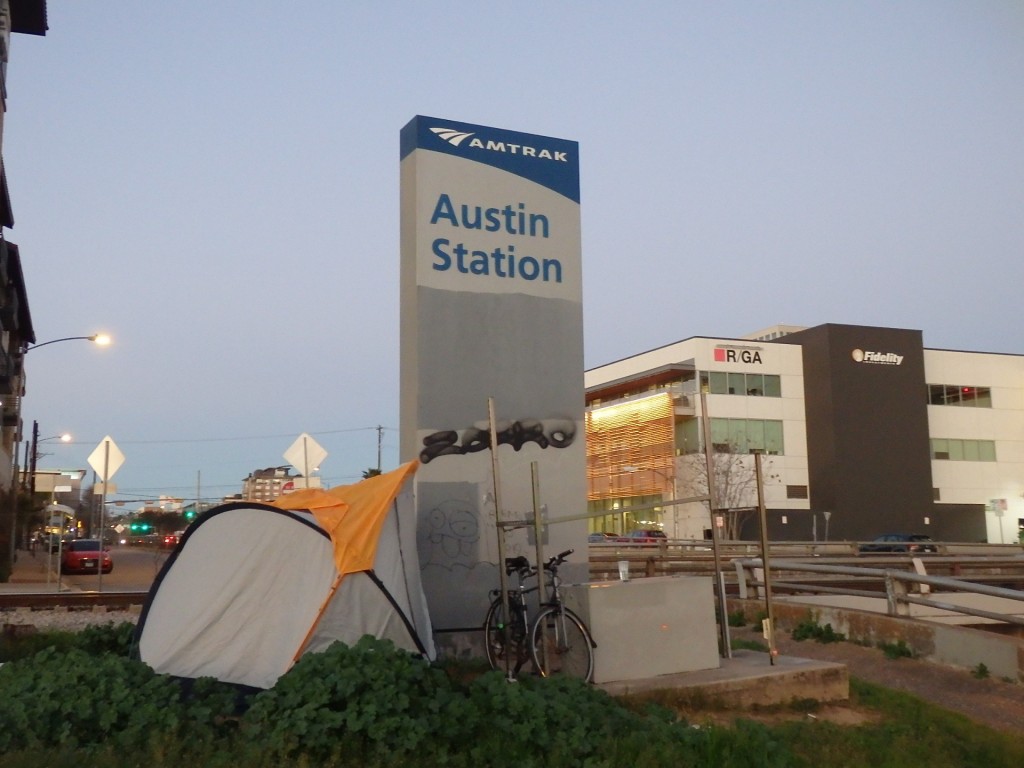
{"points": [[861, 431]]}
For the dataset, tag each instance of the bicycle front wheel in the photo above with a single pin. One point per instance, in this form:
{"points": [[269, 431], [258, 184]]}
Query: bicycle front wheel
{"points": [[560, 645], [495, 637]]}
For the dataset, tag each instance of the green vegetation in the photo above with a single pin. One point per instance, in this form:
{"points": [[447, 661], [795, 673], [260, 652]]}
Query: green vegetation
{"points": [[737, 619], [909, 732], [981, 671], [69, 701], [742, 644], [897, 650], [810, 629]]}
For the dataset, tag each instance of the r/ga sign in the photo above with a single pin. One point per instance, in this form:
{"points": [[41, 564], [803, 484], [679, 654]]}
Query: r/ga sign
{"points": [[746, 355]]}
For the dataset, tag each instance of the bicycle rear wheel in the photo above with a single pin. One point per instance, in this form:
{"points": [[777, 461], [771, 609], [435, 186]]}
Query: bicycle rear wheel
{"points": [[560, 645], [494, 636]]}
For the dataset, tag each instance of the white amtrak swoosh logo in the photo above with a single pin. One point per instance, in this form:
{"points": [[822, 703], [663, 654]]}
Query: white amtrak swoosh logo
{"points": [[452, 136]]}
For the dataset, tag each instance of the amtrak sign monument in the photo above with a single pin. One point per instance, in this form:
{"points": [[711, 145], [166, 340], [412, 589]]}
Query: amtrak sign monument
{"points": [[491, 294]]}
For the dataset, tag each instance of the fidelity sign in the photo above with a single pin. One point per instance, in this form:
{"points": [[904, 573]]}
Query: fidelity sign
{"points": [[877, 358]]}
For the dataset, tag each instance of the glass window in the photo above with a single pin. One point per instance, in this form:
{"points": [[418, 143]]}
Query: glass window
{"points": [[956, 450], [952, 395], [688, 436], [720, 434], [717, 383], [755, 384], [772, 386], [936, 394], [738, 436], [737, 383], [986, 450], [970, 450], [755, 435], [940, 448], [983, 397], [773, 437]]}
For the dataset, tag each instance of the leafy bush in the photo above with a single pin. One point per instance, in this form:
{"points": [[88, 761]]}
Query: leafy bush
{"points": [[74, 699], [107, 638], [811, 630], [897, 650], [369, 700], [102, 638]]}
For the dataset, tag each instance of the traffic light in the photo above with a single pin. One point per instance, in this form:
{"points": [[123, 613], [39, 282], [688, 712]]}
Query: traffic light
{"points": [[140, 527], [190, 514]]}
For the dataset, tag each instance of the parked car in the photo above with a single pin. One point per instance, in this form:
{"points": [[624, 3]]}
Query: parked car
{"points": [[900, 542], [84, 556], [600, 537], [169, 541], [645, 536]]}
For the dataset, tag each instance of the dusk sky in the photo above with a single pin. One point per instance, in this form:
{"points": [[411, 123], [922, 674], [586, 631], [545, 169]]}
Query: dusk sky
{"points": [[216, 186]]}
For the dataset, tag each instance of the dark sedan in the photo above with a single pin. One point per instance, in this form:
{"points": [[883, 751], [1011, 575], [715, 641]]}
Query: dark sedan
{"points": [[915, 543]]}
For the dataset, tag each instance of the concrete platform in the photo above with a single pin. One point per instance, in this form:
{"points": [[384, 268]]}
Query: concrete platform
{"points": [[747, 680]]}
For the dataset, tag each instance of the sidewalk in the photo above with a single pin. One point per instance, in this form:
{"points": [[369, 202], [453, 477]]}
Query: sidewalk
{"points": [[30, 573]]}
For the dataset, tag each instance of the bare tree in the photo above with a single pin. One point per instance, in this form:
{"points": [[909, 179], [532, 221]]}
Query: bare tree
{"points": [[735, 479]]}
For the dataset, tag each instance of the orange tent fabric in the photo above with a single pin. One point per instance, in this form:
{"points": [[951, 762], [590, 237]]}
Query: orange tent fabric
{"points": [[352, 514]]}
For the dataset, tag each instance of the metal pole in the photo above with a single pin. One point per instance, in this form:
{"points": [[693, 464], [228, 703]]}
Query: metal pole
{"points": [[772, 650], [103, 510], [502, 576], [537, 529], [14, 503], [380, 438], [723, 608]]}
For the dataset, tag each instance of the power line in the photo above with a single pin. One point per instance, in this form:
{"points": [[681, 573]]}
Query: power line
{"points": [[235, 439]]}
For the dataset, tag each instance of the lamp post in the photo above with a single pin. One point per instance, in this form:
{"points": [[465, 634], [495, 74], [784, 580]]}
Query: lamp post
{"points": [[100, 339], [7, 552]]}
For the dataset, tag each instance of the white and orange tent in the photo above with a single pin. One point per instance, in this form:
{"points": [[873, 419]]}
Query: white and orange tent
{"points": [[252, 587]]}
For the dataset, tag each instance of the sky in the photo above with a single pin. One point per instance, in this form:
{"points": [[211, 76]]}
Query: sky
{"points": [[215, 185]]}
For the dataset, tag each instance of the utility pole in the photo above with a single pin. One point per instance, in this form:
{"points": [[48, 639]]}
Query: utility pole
{"points": [[33, 455], [380, 438]]}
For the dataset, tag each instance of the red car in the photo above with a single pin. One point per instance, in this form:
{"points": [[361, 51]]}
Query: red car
{"points": [[83, 556], [645, 536]]}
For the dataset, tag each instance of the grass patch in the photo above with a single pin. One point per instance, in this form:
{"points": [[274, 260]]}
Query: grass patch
{"points": [[812, 630], [742, 644], [897, 650], [909, 733]]}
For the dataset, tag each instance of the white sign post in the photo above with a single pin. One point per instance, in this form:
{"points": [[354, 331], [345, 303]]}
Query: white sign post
{"points": [[304, 453], [105, 461]]}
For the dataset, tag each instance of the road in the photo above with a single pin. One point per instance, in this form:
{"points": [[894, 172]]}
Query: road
{"points": [[134, 571]]}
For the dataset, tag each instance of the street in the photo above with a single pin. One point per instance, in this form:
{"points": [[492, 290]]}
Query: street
{"points": [[134, 570]]}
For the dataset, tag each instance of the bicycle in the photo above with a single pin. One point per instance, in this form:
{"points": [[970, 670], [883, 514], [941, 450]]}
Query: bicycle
{"points": [[557, 640]]}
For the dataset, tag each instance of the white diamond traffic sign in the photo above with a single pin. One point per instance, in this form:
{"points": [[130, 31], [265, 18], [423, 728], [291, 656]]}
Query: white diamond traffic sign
{"points": [[106, 459], [305, 454]]}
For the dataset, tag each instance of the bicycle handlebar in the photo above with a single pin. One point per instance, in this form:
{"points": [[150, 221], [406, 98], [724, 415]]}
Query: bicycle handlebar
{"points": [[553, 563], [522, 566]]}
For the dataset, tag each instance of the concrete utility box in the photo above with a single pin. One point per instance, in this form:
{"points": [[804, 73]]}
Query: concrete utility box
{"points": [[648, 627]]}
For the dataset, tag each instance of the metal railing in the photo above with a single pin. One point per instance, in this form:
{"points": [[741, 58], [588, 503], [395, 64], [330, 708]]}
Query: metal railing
{"points": [[898, 586]]}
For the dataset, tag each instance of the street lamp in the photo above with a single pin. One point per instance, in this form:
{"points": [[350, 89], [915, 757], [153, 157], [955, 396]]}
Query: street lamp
{"points": [[100, 339], [33, 455]]}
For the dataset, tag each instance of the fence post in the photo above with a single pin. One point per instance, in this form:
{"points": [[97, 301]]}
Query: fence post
{"points": [[895, 592]]}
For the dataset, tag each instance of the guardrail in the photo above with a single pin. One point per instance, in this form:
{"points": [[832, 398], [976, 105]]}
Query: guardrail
{"points": [[994, 564], [897, 585]]}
